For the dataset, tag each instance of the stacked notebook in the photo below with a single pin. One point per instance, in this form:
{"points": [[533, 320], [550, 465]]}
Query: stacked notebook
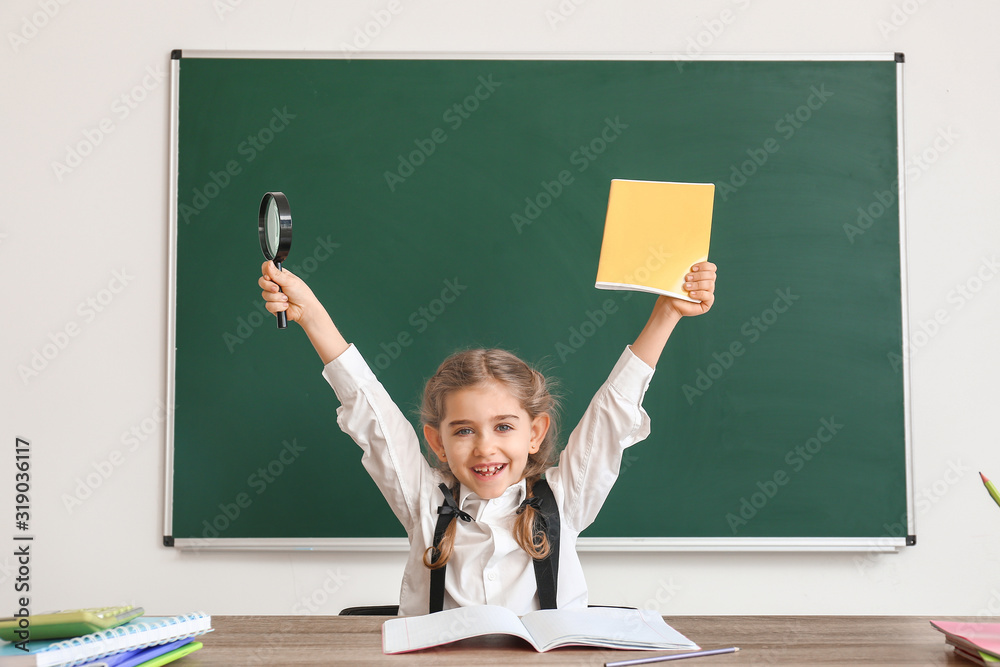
{"points": [[976, 642], [146, 641]]}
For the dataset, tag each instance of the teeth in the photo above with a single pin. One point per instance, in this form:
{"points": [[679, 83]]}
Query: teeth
{"points": [[489, 470]]}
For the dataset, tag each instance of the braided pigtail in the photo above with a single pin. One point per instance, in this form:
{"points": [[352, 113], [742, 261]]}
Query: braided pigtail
{"points": [[528, 536], [436, 558]]}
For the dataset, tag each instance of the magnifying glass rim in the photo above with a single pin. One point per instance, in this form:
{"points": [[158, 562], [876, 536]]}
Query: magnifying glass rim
{"points": [[284, 226]]}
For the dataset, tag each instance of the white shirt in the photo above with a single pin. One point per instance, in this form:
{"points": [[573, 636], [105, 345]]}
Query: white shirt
{"points": [[487, 565]]}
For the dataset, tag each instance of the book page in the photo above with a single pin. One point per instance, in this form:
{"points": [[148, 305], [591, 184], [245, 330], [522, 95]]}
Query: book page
{"points": [[604, 627], [417, 632]]}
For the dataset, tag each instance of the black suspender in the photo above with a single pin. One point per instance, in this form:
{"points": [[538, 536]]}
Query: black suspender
{"points": [[546, 569], [446, 514]]}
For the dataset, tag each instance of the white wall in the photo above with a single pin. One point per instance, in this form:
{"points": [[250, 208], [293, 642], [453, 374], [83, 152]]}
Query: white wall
{"points": [[65, 237]]}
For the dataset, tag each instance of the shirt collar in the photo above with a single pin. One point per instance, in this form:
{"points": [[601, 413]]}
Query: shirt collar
{"points": [[469, 501]]}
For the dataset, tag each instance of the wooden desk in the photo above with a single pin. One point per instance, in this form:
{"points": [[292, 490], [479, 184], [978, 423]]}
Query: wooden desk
{"points": [[294, 641]]}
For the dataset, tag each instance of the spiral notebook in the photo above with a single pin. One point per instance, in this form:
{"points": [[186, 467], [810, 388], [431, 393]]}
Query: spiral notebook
{"points": [[140, 633]]}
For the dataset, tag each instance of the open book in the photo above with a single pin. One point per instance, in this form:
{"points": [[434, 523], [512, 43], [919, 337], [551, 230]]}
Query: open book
{"points": [[545, 629], [654, 232]]}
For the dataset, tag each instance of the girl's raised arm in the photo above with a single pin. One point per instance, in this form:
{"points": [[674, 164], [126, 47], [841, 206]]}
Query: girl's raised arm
{"points": [[302, 306], [367, 414], [667, 312]]}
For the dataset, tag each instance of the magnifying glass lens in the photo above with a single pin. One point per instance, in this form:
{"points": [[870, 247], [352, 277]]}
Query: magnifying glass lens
{"points": [[272, 227]]}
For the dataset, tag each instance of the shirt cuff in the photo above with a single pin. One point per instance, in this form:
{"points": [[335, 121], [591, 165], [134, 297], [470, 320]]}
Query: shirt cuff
{"points": [[348, 372], [631, 375]]}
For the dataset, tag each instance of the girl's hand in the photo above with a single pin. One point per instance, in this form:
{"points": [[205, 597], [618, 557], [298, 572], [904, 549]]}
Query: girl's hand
{"points": [[302, 306], [667, 312], [295, 297], [700, 284]]}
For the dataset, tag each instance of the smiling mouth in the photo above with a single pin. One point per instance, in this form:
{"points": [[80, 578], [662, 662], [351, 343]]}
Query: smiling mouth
{"points": [[488, 471]]}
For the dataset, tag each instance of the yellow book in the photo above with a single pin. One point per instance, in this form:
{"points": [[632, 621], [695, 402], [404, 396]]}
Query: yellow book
{"points": [[654, 232]]}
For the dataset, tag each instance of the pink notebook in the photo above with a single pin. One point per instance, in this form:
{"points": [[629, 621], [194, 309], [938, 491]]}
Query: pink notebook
{"points": [[985, 636]]}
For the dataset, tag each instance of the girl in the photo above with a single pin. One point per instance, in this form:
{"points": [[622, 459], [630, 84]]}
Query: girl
{"points": [[490, 422]]}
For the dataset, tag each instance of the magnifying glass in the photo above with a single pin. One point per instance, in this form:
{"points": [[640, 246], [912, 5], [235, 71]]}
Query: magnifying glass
{"points": [[274, 225]]}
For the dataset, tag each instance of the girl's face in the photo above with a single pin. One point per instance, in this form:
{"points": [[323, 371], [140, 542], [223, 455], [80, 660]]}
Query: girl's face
{"points": [[485, 437]]}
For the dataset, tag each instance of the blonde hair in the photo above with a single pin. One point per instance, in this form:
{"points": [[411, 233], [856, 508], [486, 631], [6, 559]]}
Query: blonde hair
{"points": [[533, 392]]}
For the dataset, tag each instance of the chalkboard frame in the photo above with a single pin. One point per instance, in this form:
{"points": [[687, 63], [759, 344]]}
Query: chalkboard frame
{"points": [[870, 545]]}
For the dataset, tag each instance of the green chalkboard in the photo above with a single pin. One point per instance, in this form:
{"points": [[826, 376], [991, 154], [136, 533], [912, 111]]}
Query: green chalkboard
{"points": [[447, 203]]}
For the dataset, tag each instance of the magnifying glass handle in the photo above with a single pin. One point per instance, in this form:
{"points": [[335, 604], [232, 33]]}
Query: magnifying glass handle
{"points": [[282, 318]]}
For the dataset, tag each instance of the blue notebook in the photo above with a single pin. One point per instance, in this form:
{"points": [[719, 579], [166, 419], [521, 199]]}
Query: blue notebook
{"points": [[138, 656]]}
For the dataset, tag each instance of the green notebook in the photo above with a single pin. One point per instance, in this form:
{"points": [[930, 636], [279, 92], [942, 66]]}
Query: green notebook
{"points": [[63, 624]]}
